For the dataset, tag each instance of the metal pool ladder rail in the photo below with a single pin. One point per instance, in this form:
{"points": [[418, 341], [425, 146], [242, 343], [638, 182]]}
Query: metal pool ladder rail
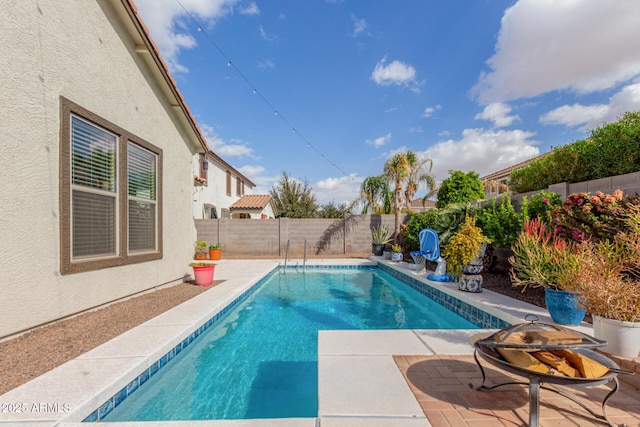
{"points": [[286, 255]]}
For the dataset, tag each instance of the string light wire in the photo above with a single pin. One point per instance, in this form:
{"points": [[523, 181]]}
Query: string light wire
{"points": [[277, 113]]}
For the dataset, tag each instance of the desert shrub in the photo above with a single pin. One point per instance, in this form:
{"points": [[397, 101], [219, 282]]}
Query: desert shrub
{"points": [[500, 222]]}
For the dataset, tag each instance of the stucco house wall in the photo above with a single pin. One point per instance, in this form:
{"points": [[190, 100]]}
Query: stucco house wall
{"points": [[90, 53], [213, 192]]}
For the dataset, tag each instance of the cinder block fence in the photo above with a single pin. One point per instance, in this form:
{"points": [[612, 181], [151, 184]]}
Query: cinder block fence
{"points": [[348, 237]]}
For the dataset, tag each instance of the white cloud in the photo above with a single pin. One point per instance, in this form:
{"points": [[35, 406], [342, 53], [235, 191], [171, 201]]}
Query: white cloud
{"points": [[428, 112], [395, 73], [480, 150], [592, 116], [498, 113], [266, 36], [267, 63], [579, 45], [250, 9], [339, 190], [359, 25], [236, 148], [256, 174], [169, 24], [418, 129], [379, 141]]}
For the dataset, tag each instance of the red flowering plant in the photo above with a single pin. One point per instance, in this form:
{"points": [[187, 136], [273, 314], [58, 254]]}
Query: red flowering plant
{"points": [[540, 257], [585, 216]]}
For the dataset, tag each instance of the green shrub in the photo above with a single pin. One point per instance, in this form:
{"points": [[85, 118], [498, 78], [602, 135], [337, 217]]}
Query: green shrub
{"points": [[417, 222], [542, 204], [612, 149], [460, 187], [501, 223], [450, 219]]}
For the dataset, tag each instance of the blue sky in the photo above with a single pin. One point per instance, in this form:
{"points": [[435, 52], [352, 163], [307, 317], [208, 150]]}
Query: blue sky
{"points": [[342, 85]]}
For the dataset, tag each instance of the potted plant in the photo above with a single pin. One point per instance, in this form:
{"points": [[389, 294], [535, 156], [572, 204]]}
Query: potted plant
{"points": [[203, 273], [380, 236], [386, 252], [396, 253], [215, 251], [541, 258], [464, 253], [502, 224], [200, 252], [607, 279]]}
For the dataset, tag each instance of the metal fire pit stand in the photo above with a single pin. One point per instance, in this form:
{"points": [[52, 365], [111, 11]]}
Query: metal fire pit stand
{"points": [[531, 336], [535, 384]]}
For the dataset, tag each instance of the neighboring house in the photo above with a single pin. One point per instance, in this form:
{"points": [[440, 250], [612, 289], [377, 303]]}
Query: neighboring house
{"points": [[217, 186], [497, 183], [95, 161], [418, 206], [258, 206]]}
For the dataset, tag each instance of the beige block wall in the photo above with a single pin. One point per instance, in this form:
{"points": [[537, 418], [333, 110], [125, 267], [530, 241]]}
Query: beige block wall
{"points": [[269, 237], [80, 50]]}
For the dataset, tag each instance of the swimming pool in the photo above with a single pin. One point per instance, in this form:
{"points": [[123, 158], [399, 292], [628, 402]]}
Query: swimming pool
{"points": [[269, 379]]}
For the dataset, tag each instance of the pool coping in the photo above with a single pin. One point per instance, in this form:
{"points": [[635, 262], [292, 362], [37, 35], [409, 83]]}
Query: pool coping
{"points": [[78, 387]]}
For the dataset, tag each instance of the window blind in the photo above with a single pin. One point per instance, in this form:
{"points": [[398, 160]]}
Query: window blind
{"points": [[141, 173], [93, 173], [93, 162]]}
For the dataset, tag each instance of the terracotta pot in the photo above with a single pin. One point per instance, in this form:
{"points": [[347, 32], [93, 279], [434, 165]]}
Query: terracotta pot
{"points": [[215, 254], [203, 275], [200, 255]]}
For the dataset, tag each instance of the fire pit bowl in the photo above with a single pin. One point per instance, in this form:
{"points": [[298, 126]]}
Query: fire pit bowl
{"points": [[547, 353]]}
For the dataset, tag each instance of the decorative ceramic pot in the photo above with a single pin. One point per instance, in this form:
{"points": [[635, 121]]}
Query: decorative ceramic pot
{"points": [[564, 307], [623, 338], [377, 249], [470, 283], [203, 275], [396, 256], [472, 269]]}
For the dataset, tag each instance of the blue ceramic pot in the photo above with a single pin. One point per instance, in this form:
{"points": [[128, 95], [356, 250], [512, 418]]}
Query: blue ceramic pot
{"points": [[564, 307]]}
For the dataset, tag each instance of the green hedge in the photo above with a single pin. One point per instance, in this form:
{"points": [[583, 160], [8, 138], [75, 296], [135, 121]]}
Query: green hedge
{"points": [[612, 149]]}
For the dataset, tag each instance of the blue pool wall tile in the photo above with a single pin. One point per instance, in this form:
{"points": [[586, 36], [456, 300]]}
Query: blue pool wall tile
{"points": [[473, 314], [478, 317]]}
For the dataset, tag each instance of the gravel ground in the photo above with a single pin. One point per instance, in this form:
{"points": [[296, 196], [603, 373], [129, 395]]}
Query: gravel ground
{"points": [[21, 358]]}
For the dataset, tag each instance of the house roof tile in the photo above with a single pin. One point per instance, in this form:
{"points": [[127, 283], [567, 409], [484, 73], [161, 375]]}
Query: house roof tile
{"points": [[252, 201]]}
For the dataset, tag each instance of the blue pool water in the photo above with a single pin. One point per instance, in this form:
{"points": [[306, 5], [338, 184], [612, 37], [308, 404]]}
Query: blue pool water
{"points": [[260, 360]]}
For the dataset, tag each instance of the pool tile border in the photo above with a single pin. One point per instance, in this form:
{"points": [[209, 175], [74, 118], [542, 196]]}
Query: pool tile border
{"points": [[475, 315], [107, 407]]}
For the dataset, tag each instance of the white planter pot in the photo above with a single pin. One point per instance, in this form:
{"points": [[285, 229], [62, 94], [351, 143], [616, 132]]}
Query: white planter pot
{"points": [[623, 338], [396, 256]]}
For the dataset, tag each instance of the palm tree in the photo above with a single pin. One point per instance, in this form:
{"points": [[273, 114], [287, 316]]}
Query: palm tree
{"points": [[376, 195], [419, 171], [396, 170]]}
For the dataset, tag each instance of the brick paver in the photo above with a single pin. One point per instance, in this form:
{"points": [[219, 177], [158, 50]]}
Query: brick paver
{"points": [[440, 384]]}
